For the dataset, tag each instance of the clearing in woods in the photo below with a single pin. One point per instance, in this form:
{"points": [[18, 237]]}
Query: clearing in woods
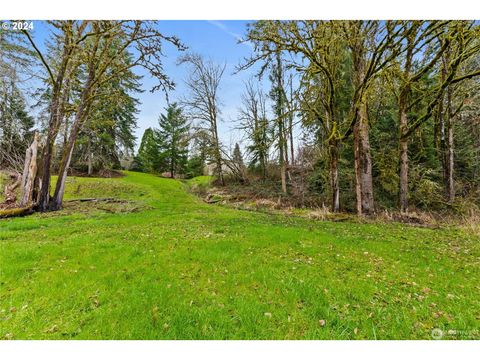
{"points": [[164, 265]]}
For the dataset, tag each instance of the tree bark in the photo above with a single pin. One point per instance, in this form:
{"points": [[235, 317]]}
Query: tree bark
{"points": [[403, 143], [285, 145], [363, 160], [356, 155], [283, 176], [334, 183], [282, 152], [446, 134], [218, 155], [44, 194], [172, 167], [90, 160], [83, 107], [292, 150], [280, 118], [264, 167], [57, 200], [56, 114], [403, 127], [449, 162], [29, 173], [366, 180]]}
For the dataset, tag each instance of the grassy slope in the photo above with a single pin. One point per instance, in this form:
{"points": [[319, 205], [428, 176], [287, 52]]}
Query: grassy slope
{"points": [[187, 270]]}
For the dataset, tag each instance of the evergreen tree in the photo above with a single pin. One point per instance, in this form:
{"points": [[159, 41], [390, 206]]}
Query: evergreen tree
{"points": [[15, 126], [149, 156], [237, 165], [198, 153], [256, 127], [277, 94], [107, 136], [15, 122], [237, 156], [174, 137]]}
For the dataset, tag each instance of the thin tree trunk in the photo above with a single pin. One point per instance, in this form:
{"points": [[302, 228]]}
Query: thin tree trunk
{"points": [[446, 130], [403, 142], [450, 184], [403, 128], [292, 150], [218, 155], [90, 165], [283, 177], [403, 192], [365, 162], [290, 122], [356, 154], [57, 200], [283, 167], [282, 151], [334, 183], [264, 167], [285, 145], [90, 160], [447, 151]]}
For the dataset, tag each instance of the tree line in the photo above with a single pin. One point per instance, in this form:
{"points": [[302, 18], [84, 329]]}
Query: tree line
{"points": [[366, 88], [362, 114]]}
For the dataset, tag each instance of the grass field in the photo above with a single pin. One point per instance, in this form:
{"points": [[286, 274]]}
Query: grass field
{"points": [[172, 267]]}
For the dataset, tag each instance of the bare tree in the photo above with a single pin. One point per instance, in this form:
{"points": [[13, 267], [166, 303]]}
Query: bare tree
{"points": [[203, 102], [317, 49], [254, 124], [100, 46]]}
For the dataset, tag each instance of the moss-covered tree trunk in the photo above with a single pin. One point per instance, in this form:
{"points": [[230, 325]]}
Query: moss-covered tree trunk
{"points": [[403, 148], [334, 183], [365, 165]]}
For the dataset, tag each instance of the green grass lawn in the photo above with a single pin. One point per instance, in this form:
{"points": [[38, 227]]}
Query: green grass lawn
{"points": [[177, 268]]}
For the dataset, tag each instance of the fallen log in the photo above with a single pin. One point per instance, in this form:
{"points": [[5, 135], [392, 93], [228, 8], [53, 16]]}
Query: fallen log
{"points": [[94, 199], [16, 212], [103, 200]]}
